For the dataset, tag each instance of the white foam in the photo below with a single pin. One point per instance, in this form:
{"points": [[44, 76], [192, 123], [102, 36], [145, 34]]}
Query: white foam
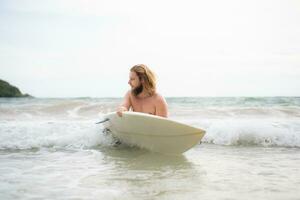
{"points": [[38, 134], [85, 134], [270, 132], [25, 123]]}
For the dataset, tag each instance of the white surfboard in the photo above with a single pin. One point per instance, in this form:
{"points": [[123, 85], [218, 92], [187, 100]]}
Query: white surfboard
{"points": [[154, 133]]}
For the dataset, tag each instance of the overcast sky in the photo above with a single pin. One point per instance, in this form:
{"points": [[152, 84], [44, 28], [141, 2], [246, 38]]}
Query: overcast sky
{"points": [[80, 48]]}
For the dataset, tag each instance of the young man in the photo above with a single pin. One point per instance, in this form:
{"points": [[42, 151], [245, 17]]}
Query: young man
{"points": [[143, 96]]}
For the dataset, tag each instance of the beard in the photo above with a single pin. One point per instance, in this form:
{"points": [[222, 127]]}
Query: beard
{"points": [[136, 91]]}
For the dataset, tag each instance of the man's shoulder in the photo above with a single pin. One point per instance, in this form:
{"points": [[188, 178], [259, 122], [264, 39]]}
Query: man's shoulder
{"points": [[128, 93], [159, 98], [158, 95]]}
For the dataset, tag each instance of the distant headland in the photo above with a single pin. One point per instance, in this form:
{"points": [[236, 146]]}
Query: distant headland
{"points": [[7, 90]]}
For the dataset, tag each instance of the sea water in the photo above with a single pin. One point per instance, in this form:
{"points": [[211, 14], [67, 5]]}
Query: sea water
{"points": [[52, 149]]}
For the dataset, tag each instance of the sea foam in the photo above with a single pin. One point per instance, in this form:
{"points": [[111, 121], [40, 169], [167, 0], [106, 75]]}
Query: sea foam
{"points": [[41, 134], [285, 133], [70, 123]]}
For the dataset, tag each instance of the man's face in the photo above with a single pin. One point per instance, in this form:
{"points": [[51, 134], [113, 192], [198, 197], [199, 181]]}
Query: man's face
{"points": [[134, 80]]}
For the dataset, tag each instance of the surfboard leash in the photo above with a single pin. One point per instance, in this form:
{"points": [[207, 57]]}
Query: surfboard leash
{"points": [[105, 120]]}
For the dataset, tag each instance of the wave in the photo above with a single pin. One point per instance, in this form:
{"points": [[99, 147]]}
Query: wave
{"points": [[70, 135], [69, 123], [74, 110], [85, 134], [235, 101], [245, 132], [63, 109]]}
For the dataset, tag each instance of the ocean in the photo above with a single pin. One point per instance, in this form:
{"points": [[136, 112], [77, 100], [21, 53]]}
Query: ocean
{"points": [[52, 149]]}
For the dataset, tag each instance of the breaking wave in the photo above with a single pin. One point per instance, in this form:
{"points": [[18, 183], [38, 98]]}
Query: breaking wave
{"points": [[70, 123]]}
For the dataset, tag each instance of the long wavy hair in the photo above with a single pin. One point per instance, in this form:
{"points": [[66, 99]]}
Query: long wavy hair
{"points": [[147, 77]]}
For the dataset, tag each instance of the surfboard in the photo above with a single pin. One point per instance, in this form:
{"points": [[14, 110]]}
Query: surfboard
{"points": [[153, 133]]}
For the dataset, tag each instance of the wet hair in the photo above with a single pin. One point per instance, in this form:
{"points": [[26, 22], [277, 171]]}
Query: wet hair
{"points": [[147, 77]]}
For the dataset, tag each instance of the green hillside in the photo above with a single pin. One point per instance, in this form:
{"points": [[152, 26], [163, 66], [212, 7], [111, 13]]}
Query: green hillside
{"points": [[7, 90]]}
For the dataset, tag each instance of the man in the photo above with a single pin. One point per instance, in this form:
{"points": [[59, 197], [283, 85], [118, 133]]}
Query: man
{"points": [[143, 96]]}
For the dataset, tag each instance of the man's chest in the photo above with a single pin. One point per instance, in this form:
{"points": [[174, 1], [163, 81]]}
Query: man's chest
{"points": [[144, 105]]}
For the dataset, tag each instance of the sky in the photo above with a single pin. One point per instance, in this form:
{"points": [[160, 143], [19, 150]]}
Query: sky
{"points": [[85, 48]]}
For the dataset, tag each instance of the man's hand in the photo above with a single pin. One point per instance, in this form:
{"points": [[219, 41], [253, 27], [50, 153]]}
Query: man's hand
{"points": [[120, 110]]}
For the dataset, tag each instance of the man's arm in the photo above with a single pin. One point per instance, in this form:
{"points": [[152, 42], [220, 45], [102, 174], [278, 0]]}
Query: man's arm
{"points": [[161, 107], [126, 104]]}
